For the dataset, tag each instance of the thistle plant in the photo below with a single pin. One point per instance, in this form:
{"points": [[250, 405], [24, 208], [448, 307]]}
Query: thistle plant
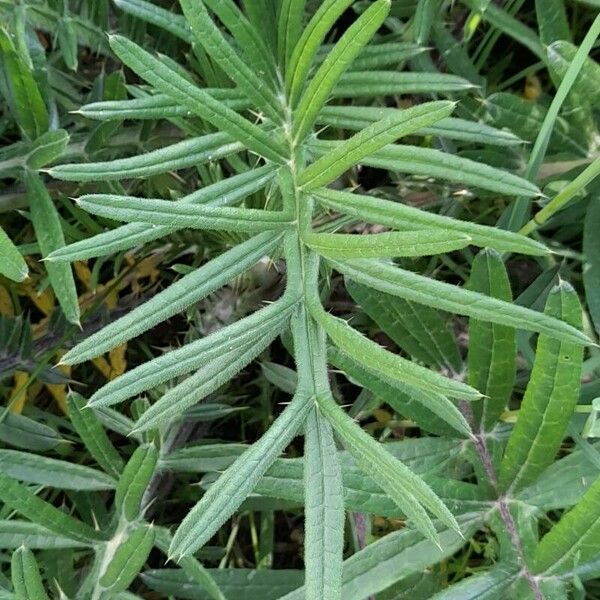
{"points": [[289, 131]]}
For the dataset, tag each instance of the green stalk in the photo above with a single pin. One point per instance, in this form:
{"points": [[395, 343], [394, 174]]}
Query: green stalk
{"points": [[563, 198]]}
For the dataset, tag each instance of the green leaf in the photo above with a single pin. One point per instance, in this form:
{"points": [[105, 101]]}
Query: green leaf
{"points": [[573, 540], [441, 165], [507, 24], [371, 84], [14, 533], [25, 575], [422, 290], [257, 56], [383, 245], [289, 29], [491, 584], [421, 455], [552, 21], [241, 584], [587, 85], [23, 432], [177, 297], [67, 39], [128, 559], [167, 81], [358, 117], [492, 347], [12, 263], [209, 378], [158, 106], [162, 18], [20, 90], [223, 193], [305, 51], [526, 118], [195, 151], [47, 148], [23, 500], [192, 356], [549, 400], [339, 60], [406, 489], [564, 482], [217, 47], [419, 330], [369, 140], [324, 512], [394, 214], [377, 56], [194, 570], [48, 230], [260, 12], [225, 496], [516, 215], [176, 215], [42, 470], [94, 437], [387, 364], [134, 480], [432, 412], [396, 557], [591, 272]]}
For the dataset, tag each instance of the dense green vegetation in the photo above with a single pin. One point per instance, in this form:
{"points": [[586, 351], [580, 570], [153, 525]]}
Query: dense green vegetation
{"points": [[299, 299]]}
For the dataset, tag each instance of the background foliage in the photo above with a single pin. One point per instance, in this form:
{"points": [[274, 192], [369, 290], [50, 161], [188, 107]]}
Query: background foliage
{"points": [[217, 190]]}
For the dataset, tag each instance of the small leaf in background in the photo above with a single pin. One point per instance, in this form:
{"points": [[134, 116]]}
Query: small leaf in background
{"points": [[573, 540], [12, 263], [419, 330], [25, 575], [46, 223], [21, 91]]}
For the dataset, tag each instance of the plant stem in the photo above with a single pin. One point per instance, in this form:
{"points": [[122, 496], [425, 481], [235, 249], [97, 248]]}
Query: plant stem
{"points": [[480, 443]]}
